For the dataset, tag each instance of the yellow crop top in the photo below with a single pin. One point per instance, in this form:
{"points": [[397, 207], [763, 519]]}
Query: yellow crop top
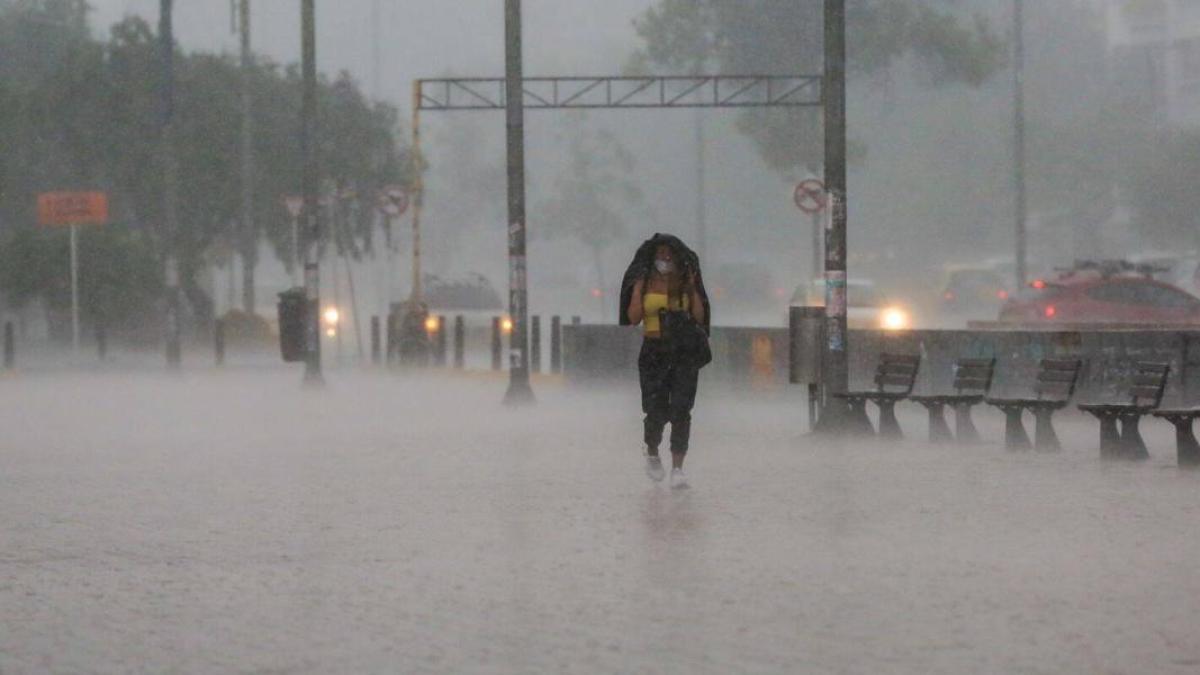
{"points": [[652, 303]]}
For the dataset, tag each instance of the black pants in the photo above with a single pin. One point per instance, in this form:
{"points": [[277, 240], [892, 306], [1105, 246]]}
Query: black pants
{"points": [[668, 393]]}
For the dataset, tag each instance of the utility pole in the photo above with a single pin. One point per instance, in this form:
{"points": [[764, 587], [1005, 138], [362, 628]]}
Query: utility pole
{"points": [[170, 171], [837, 370], [249, 232], [701, 189], [1019, 139], [312, 207], [519, 390]]}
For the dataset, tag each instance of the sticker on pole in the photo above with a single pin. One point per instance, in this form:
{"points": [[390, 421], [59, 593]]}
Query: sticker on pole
{"points": [[393, 201], [810, 196], [72, 208]]}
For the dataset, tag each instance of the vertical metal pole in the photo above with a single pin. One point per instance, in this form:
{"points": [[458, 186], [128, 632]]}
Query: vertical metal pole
{"points": [[818, 220], [701, 189], [555, 345], [418, 200], [834, 95], [497, 346], [74, 291], [460, 337], [10, 346], [312, 208], [519, 390], [376, 350], [219, 341], [440, 344], [170, 183], [535, 343], [250, 240], [1019, 140], [375, 54]]}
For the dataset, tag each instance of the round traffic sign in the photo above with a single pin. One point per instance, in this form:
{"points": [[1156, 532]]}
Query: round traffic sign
{"points": [[394, 201], [810, 196]]}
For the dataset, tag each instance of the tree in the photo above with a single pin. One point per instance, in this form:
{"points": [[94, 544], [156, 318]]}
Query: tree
{"points": [[77, 113], [593, 193], [785, 37]]}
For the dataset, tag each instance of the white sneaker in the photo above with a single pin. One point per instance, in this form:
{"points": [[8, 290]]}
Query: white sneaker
{"points": [[654, 468], [678, 479]]}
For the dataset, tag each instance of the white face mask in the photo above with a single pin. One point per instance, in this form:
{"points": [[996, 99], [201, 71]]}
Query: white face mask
{"points": [[664, 266]]}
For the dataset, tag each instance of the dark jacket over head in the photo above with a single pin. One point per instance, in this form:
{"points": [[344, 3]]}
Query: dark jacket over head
{"points": [[643, 263]]}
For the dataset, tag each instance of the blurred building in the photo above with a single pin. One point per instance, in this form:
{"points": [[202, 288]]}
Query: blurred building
{"points": [[1154, 49]]}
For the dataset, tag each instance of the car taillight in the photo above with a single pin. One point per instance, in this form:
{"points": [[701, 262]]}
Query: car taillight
{"points": [[1002, 294], [1050, 311], [949, 295], [1038, 284]]}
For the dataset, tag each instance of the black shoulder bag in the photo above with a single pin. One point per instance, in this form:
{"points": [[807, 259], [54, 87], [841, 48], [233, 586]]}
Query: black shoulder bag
{"points": [[685, 336]]}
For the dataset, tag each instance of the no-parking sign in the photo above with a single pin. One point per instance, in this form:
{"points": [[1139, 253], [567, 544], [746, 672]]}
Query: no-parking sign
{"points": [[810, 196]]}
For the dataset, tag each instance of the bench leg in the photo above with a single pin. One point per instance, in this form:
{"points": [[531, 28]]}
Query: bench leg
{"points": [[858, 421], [939, 431], [1110, 437], [1015, 437], [889, 427], [1132, 445], [1185, 442], [1044, 437], [964, 427]]}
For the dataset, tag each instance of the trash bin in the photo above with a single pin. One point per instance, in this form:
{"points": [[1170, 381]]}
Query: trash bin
{"points": [[807, 333], [293, 324]]}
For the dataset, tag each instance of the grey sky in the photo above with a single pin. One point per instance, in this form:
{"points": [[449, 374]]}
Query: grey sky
{"points": [[418, 38]]}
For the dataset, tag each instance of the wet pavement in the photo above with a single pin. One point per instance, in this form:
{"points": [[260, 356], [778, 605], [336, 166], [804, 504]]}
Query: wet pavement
{"points": [[237, 523]]}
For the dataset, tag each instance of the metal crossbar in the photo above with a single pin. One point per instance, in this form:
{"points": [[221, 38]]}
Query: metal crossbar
{"points": [[546, 93]]}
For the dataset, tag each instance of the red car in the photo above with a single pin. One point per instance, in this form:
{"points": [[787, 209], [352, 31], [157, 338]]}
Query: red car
{"points": [[1090, 296]]}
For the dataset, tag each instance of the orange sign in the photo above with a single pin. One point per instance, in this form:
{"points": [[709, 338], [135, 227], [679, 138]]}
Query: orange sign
{"points": [[73, 208]]}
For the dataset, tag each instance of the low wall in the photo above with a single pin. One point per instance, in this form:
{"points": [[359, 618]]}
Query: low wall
{"points": [[759, 356]]}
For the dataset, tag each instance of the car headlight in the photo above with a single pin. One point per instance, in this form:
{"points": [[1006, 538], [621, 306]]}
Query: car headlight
{"points": [[894, 318]]}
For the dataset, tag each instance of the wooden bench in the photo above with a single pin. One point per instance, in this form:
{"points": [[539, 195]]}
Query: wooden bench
{"points": [[1056, 380], [972, 381], [894, 378], [1186, 447], [1146, 389]]}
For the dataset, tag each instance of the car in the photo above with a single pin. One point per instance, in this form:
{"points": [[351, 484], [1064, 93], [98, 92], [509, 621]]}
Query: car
{"points": [[973, 289], [866, 305], [1115, 292]]}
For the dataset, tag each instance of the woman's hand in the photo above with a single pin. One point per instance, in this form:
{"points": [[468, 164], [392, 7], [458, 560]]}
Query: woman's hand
{"points": [[636, 310]]}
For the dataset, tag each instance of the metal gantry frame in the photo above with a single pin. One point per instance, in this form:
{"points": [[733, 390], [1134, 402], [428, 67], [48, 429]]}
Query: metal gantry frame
{"points": [[607, 92], [581, 93]]}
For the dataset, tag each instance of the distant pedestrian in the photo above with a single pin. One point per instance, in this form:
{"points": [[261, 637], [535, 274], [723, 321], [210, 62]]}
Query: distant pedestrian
{"points": [[663, 290]]}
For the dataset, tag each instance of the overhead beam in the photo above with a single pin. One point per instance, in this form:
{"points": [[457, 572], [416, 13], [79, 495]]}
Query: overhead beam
{"points": [[558, 93]]}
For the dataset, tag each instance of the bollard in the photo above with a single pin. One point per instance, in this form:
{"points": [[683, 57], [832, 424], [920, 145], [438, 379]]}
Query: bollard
{"points": [[535, 344], [375, 346], [555, 345], [460, 333], [10, 346], [440, 345], [101, 341], [391, 338], [218, 341], [495, 343]]}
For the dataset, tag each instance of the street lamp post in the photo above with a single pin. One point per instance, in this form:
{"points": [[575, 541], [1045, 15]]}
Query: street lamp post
{"points": [[519, 390], [311, 212], [1021, 205], [170, 171]]}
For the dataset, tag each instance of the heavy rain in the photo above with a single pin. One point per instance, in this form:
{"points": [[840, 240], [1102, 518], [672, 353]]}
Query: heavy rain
{"points": [[752, 336]]}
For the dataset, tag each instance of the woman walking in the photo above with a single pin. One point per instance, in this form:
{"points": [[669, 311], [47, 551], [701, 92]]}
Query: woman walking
{"points": [[663, 290]]}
